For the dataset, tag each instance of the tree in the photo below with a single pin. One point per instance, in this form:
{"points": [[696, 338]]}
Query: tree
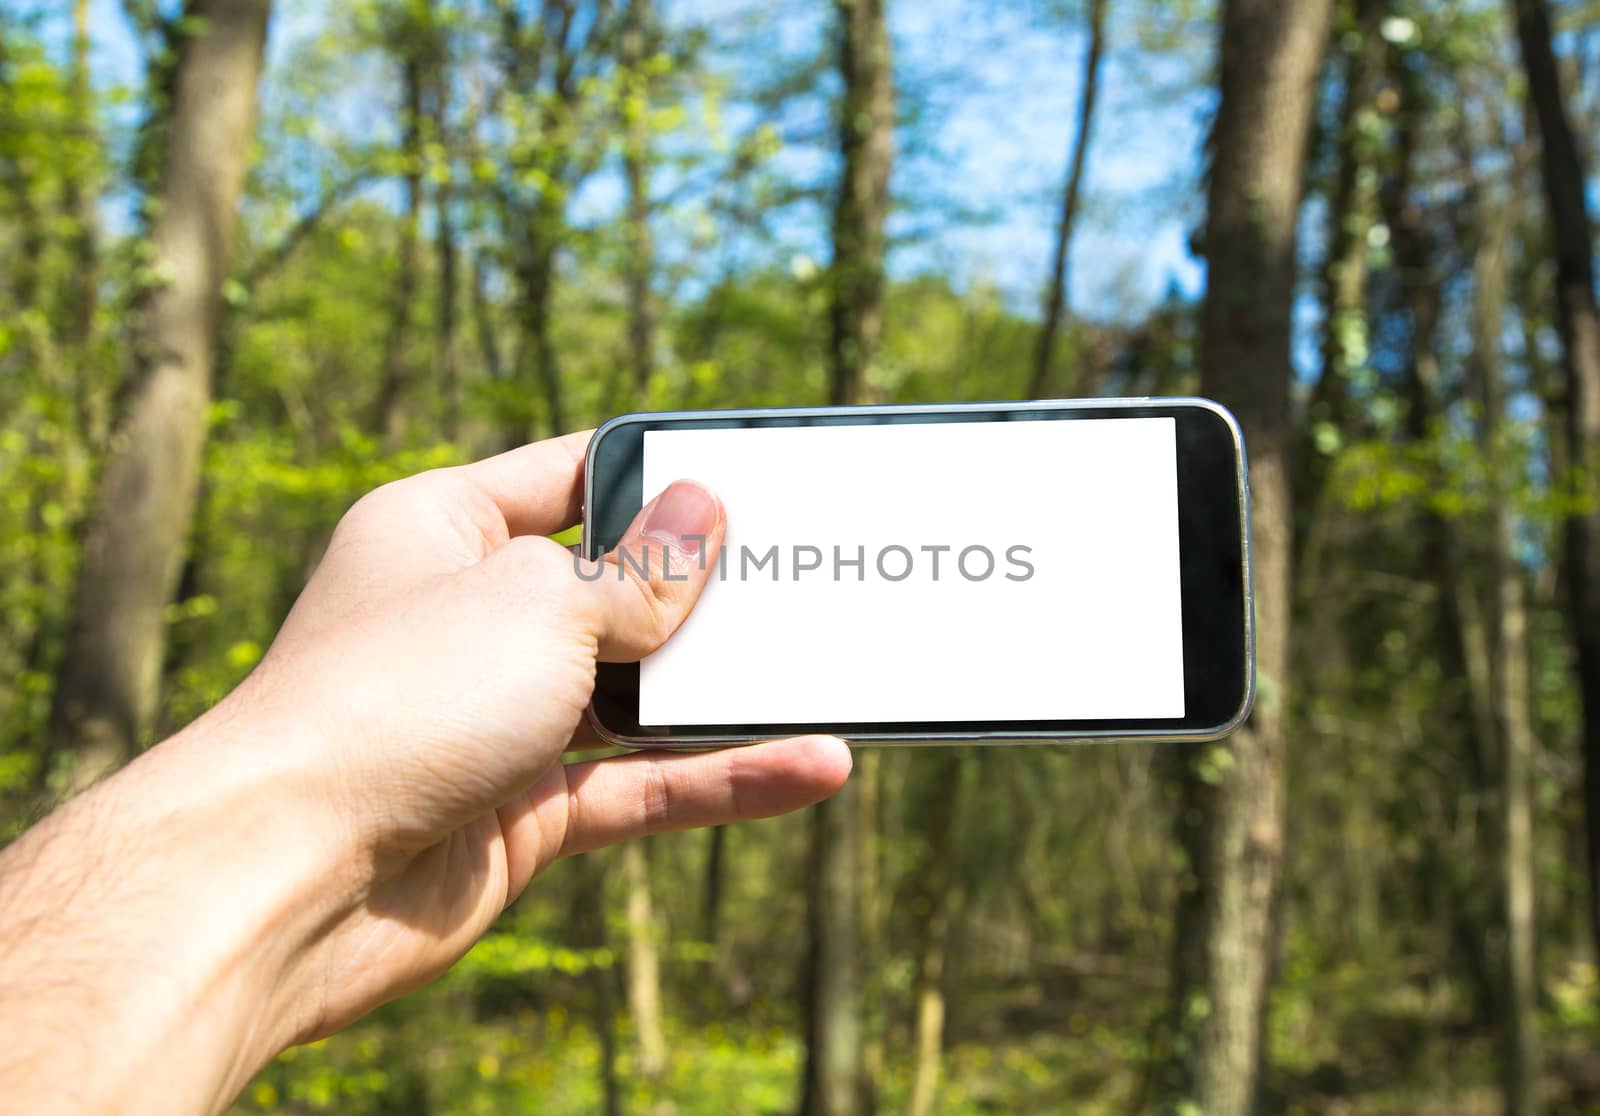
{"points": [[1509, 696], [83, 295], [836, 1082], [660, 182], [1232, 814], [549, 65], [638, 34], [106, 689], [866, 144], [934, 902], [1578, 324], [412, 37], [1055, 301], [1352, 209], [644, 965], [1461, 707], [589, 924], [447, 254]]}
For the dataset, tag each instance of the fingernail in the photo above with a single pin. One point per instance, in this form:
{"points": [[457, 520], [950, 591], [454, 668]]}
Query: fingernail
{"points": [[682, 517]]}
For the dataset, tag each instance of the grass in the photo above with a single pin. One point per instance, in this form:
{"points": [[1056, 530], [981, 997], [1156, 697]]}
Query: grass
{"points": [[1343, 1044]]}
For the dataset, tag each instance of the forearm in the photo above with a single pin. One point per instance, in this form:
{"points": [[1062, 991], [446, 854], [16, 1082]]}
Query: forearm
{"points": [[149, 931], [344, 826]]}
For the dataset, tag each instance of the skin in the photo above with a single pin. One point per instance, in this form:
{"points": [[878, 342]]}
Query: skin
{"points": [[343, 826]]}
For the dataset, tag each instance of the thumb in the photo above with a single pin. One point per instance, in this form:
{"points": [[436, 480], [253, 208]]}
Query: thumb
{"points": [[645, 588]]}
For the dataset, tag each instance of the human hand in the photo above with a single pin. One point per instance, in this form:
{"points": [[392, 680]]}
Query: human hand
{"points": [[455, 645], [356, 814]]}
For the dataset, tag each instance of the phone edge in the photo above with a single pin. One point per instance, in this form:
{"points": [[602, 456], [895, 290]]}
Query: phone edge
{"points": [[1151, 736]]}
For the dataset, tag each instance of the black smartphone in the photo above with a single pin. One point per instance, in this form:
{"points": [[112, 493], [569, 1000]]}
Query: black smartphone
{"points": [[1042, 571]]}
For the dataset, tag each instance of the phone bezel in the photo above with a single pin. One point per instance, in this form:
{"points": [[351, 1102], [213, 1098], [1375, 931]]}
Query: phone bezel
{"points": [[1231, 624]]}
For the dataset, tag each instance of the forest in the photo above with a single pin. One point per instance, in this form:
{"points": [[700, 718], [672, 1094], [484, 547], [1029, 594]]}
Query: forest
{"points": [[260, 257]]}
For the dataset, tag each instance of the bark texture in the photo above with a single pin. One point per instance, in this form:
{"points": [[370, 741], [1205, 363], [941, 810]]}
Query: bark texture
{"points": [[78, 200], [835, 1078], [388, 414], [1352, 209], [836, 1081], [1231, 823], [936, 902], [589, 922], [644, 963], [1578, 323], [1055, 303], [637, 160], [145, 495], [866, 141], [1512, 716], [446, 250], [1469, 905]]}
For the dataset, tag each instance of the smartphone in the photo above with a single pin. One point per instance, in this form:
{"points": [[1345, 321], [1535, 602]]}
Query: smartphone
{"points": [[1043, 571]]}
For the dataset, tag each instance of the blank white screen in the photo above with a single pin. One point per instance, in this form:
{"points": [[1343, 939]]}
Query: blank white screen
{"points": [[1094, 633]]}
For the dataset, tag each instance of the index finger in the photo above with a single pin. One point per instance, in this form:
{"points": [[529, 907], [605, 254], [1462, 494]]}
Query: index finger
{"points": [[650, 792], [537, 487], [580, 807]]}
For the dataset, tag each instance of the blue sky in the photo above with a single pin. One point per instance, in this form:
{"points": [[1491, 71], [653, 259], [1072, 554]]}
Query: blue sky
{"points": [[1008, 132], [1003, 83]]}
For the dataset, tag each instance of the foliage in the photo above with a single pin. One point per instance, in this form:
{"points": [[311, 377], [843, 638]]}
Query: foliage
{"points": [[1065, 869]]}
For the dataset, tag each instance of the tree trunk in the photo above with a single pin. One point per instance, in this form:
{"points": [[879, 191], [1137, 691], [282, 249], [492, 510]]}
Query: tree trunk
{"points": [[1463, 715], [644, 969], [1508, 683], [935, 905], [539, 284], [483, 321], [836, 1082], [1518, 747], [1578, 324], [388, 414], [866, 140], [446, 258], [734, 983], [644, 963], [711, 889], [1232, 819], [868, 780], [105, 695], [1352, 208], [1329, 424], [78, 199], [1055, 302], [637, 159], [589, 917]]}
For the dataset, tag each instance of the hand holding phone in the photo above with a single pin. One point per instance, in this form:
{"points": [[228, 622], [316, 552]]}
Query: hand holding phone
{"points": [[1004, 571]]}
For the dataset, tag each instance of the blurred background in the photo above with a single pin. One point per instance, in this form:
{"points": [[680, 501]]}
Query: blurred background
{"points": [[260, 257]]}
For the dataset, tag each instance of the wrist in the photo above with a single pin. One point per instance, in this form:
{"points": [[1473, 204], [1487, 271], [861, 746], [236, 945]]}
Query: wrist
{"points": [[188, 991], [284, 857]]}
